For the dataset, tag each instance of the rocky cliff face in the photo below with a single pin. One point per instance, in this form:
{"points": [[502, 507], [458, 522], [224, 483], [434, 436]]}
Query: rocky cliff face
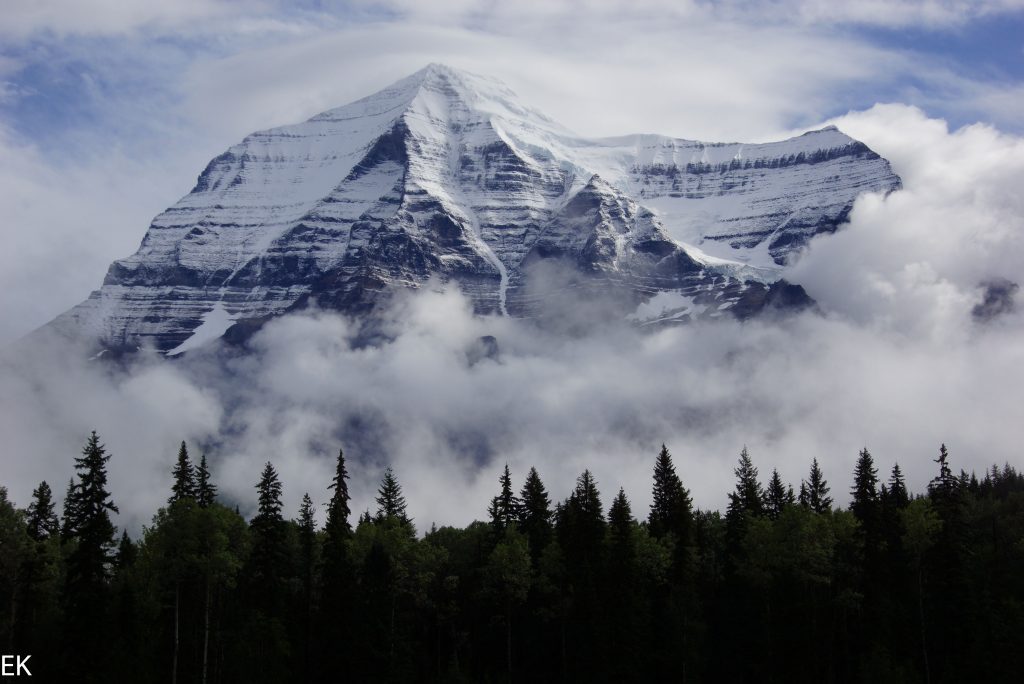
{"points": [[444, 175]]}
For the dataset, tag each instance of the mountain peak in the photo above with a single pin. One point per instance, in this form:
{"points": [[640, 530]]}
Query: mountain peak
{"points": [[444, 174], [441, 92]]}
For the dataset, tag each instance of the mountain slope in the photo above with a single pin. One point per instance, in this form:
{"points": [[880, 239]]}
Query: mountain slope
{"points": [[444, 175]]}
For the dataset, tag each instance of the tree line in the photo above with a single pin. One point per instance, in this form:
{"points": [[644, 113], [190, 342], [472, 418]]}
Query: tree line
{"points": [[784, 587]]}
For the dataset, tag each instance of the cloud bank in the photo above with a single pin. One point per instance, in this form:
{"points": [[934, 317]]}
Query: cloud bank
{"points": [[897, 362]]}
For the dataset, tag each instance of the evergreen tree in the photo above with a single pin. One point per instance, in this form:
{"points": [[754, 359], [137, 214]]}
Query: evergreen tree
{"points": [[898, 488], [127, 552], [817, 498], [307, 528], [184, 477], [307, 576], [671, 508], [746, 502], [945, 485], [776, 496], [89, 562], [338, 529], [865, 494], [390, 502], [268, 559], [69, 514], [587, 501], [535, 514], [15, 550], [91, 506], [336, 614], [206, 491], [42, 520], [504, 508], [620, 521], [748, 497], [581, 521]]}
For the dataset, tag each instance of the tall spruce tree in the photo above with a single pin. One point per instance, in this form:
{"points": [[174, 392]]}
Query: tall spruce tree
{"points": [[89, 562], [269, 557], [898, 488], [127, 552], [777, 497], [307, 563], [92, 506], [390, 501], [581, 521], [206, 491], [815, 494], [42, 521], [337, 528], [336, 614], [184, 486], [69, 512], [864, 504], [620, 522], [671, 508], [307, 533], [746, 501], [535, 514], [748, 496], [945, 485], [504, 508]]}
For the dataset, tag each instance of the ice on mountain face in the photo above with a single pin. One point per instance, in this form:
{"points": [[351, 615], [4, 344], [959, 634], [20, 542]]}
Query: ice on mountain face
{"points": [[215, 323], [445, 175]]}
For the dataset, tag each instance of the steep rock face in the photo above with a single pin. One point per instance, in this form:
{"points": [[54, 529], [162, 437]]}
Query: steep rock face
{"points": [[444, 175]]}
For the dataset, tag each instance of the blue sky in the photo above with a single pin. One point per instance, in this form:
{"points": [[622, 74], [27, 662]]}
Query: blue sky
{"points": [[64, 86]]}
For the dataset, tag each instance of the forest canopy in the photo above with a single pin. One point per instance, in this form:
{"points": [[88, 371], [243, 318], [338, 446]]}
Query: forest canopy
{"points": [[783, 586]]}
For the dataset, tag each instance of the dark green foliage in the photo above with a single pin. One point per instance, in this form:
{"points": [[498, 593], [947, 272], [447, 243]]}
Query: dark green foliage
{"points": [[90, 557], [42, 520], [865, 497], [894, 589], [748, 497], [671, 509], [268, 562], [69, 517], [620, 520], [390, 502], [535, 514], [15, 547], [184, 477], [338, 528], [334, 616], [777, 497], [206, 491], [814, 492], [504, 509]]}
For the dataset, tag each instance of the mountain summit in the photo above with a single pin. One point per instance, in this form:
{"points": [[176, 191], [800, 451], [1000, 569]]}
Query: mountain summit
{"points": [[445, 175]]}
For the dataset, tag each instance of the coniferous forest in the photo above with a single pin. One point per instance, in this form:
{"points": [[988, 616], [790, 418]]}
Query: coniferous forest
{"points": [[785, 586]]}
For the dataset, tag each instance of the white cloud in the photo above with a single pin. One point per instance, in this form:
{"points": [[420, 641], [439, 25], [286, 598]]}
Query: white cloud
{"points": [[913, 261], [64, 222], [885, 13], [25, 18]]}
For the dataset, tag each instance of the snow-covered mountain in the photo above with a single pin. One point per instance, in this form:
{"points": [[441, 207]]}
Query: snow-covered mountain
{"points": [[445, 175]]}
